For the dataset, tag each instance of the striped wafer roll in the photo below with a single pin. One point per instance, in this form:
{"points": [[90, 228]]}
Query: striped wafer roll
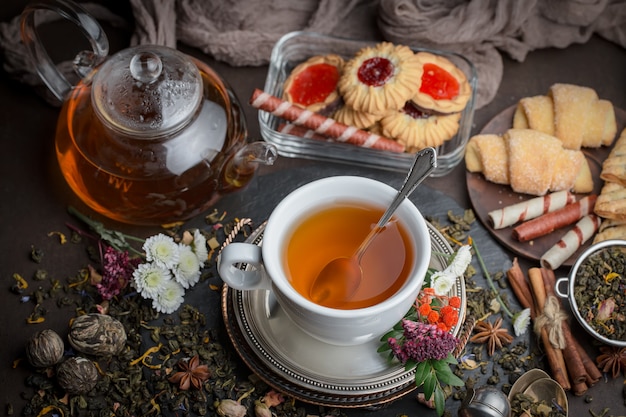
{"points": [[526, 210], [549, 222], [301, 131], [322, 124], [570, 242]]}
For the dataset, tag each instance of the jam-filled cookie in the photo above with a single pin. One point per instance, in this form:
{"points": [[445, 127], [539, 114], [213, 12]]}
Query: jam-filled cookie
{"points": [[313, 83], [380, 78], [444, 87], [417, 130], [359, 119]]}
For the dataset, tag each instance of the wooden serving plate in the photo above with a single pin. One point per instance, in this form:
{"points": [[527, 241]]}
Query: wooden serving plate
{"points": [[487, 196]]}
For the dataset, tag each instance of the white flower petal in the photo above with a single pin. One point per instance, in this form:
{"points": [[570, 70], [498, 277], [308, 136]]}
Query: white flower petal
{"points": [[442, 282], [187, 271], [461, 261], [162, 250], [199, 247], [170, 298], [521, 322], [149, 279]]}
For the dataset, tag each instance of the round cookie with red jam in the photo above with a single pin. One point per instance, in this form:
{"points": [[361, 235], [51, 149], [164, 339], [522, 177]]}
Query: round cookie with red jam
{"points": [[313, 84], [444, 87], [416, 129], [380, 78]]}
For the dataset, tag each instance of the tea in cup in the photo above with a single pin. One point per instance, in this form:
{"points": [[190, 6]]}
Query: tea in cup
{"points": [[324, 220]]}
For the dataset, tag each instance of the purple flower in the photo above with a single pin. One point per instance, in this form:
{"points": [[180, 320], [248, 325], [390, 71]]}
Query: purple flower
{"points": [[421, 342], [118, 270]]}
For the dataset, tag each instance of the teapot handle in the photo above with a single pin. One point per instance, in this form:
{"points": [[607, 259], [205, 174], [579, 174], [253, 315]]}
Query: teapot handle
{"points": [[84, 62]]}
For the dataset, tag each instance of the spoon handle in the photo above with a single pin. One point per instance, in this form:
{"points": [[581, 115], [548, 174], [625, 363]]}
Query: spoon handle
{"points": [[424, 163]]}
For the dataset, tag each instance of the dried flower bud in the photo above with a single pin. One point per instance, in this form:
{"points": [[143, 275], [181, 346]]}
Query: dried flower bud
{"points": [[44, 349], [77, 375], [97, 334], [261, 409], [230, 408]]}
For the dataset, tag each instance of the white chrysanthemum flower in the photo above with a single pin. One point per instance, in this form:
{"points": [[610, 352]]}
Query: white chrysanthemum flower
{"points": [[441, 282], [521, 321], [170, 298], [187, 271], [162, 250], [199, 247], [149, 279], [461, 261]]}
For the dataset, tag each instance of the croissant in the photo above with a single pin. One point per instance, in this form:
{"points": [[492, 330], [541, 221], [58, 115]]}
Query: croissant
{"points": [[531, 162]]}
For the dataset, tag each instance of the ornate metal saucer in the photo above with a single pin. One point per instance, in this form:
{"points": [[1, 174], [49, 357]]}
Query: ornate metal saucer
{"points": [[294, 363]]}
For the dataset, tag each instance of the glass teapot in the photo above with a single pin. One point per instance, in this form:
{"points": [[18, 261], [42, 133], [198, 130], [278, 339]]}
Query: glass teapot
{"points": [[148, 135]]}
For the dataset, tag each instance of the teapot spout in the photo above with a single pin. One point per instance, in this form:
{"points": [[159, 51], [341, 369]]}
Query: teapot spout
{"points": [[242, 166]]}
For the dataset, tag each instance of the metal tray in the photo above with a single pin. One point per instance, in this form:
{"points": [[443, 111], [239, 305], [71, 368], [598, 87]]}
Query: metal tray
{"points": [[295, 363]]}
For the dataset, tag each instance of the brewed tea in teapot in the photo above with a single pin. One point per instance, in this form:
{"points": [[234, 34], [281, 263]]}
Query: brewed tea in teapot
{"points": [[148, 135]]}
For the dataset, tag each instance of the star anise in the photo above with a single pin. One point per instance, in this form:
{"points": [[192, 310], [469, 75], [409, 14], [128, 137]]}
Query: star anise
{"points": [[492, 334], [191, 374], [612, 358]]}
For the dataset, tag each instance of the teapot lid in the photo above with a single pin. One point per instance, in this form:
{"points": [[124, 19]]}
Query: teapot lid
{"points": [[147, 91]]}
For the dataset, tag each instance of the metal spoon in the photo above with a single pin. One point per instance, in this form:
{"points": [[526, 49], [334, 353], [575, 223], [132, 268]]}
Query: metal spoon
{"points": [[346, 270]]}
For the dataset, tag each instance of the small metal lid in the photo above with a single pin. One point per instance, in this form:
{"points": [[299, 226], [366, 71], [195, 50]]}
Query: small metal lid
{"points": [[485, 402], [147, 91]]}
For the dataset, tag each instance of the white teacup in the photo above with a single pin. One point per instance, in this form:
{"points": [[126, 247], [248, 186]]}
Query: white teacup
{"points": [[266, 270]]}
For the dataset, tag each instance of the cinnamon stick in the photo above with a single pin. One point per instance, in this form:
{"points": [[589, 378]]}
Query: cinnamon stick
{"points": [[575, 367], [518, 283], [592, 373], [555, 356]]}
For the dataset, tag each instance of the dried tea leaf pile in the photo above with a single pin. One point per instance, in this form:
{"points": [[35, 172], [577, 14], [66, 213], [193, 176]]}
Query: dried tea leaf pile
{"points": [[600, 292]]}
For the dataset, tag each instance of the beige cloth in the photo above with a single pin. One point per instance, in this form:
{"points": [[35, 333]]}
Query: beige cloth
{"points": [[243, 32]]}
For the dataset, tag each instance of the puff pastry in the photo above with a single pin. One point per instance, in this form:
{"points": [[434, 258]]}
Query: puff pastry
{"points": [[535, 113], [611, 203], [487, 153], [614, 166], [610, 229], [531, 155], [529, 161], [572, 109], [601, 125]]}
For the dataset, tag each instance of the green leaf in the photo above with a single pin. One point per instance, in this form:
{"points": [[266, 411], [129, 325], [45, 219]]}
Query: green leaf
{"points": [[449, 378], [440, 401], [391, 333], [383, 348], [422, 370], [441, 365], [429, 385], [450, 359]]}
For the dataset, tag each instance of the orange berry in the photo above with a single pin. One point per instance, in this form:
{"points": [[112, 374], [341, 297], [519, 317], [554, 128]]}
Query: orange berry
{"points": [[455, 301], [445, 310], [433, 317], [451, 318], [425, 309]]}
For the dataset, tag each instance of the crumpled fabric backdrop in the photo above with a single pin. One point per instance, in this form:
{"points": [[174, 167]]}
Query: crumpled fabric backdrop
{"points": [[243, 32]]}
